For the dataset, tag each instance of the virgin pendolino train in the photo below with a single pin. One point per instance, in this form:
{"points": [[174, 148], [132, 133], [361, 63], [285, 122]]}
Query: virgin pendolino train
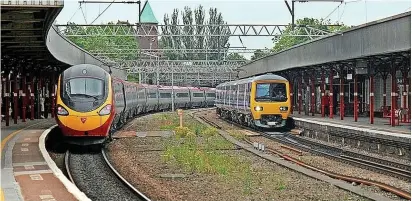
{"points": [[92, 104], [260, 102]]}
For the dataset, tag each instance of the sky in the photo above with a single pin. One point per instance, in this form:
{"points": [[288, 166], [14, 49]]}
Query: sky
{"points": [[350, 12]]}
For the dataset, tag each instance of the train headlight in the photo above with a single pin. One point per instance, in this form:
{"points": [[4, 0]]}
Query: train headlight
{"points": [[283, 109], [258, 108], [61, 111], [105, 110]]}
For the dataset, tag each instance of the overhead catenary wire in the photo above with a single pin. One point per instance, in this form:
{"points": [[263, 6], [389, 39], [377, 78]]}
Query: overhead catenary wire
{"points": [[85, 20], [74, 14], [103, 11], [331, 13], [340, 17]]}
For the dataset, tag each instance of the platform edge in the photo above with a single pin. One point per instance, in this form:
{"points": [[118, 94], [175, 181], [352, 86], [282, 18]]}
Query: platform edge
{"points": [[71, 188], [354, 128]]}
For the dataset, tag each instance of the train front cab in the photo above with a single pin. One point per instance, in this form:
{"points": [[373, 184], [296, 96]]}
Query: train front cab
{"points": [[79, 123], [270, 103]]}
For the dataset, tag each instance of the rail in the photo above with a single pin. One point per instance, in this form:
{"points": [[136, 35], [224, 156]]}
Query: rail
{"points": [[334, 151], [139, 194]]}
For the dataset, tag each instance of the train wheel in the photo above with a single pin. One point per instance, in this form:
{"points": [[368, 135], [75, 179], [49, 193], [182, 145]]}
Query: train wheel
{"points": [[111, 136], [251, 124], [290, 123]]}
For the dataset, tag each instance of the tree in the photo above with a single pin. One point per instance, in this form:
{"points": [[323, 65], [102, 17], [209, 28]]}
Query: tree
{"points": [[133, 77], [112, 47], [287, 41], [193, 37], [235, 56], [260, 53]]}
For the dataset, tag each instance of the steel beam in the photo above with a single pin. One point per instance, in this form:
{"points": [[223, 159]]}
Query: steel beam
{"points": [[371, 95], [291, 85], [331, 93], [300, 93], [322, 91], [405, 70], [7, 95], [312, 90], [393, 92], [341, 94], [134, 51], [355, 96], [23, 96], [111, 30], [15, 98], [384, 78], [32, 98], [52, 94]]}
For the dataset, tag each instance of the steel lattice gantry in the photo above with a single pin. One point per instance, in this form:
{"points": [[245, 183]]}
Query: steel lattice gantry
{"points": [[152, 30], [159, 70], [197, 72]]}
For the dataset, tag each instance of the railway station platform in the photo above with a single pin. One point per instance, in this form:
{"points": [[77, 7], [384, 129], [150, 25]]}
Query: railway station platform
{"points": [[379, 138], [380, 124], [26, 174]]}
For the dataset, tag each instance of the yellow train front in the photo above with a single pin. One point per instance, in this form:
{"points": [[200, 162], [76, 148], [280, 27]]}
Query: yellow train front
{"points": [[261, 101], [84, 101]]}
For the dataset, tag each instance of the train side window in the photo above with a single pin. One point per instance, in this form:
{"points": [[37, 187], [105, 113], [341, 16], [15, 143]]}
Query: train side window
{"points": [[152, 95], [165, 95], [211, 95], [182, 95], [141, 95], [197, 94]]}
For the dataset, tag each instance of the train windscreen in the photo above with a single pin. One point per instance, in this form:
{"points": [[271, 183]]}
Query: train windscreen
{"points": [[275, 92], [83, 94]]}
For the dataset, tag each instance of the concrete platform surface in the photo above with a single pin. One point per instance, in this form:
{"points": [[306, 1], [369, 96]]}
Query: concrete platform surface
{"points": [[378, 138], [25, 173], [380, 124]]}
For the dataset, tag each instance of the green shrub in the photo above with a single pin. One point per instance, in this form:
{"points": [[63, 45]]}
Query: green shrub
{"points": [[209, 132], [182, 131]]}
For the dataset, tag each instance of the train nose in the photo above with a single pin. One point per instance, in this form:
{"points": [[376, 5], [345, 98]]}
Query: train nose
{"points": [[84, 123]]}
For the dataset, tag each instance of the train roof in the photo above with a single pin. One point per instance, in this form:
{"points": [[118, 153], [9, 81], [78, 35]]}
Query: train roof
{"points": [[85, 70], [255, 78], [174, 87]]}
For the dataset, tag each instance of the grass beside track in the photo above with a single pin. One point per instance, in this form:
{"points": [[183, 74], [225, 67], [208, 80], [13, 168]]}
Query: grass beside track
{"points": [[195, 149]]}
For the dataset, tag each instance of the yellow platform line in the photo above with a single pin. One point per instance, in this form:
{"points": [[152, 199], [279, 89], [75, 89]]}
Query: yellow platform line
{"points": [[1, 194], [3, 144]]}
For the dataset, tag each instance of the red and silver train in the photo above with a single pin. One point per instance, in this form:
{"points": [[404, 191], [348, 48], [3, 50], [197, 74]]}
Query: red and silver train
{"points": [[92, 104]]}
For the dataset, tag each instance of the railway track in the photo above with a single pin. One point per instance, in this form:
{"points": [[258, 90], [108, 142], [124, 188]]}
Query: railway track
{"points": [[381, 165], [391, 168], [93, 174]]}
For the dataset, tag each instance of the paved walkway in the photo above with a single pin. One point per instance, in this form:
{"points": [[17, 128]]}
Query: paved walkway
{"points": [[25, 174]]}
